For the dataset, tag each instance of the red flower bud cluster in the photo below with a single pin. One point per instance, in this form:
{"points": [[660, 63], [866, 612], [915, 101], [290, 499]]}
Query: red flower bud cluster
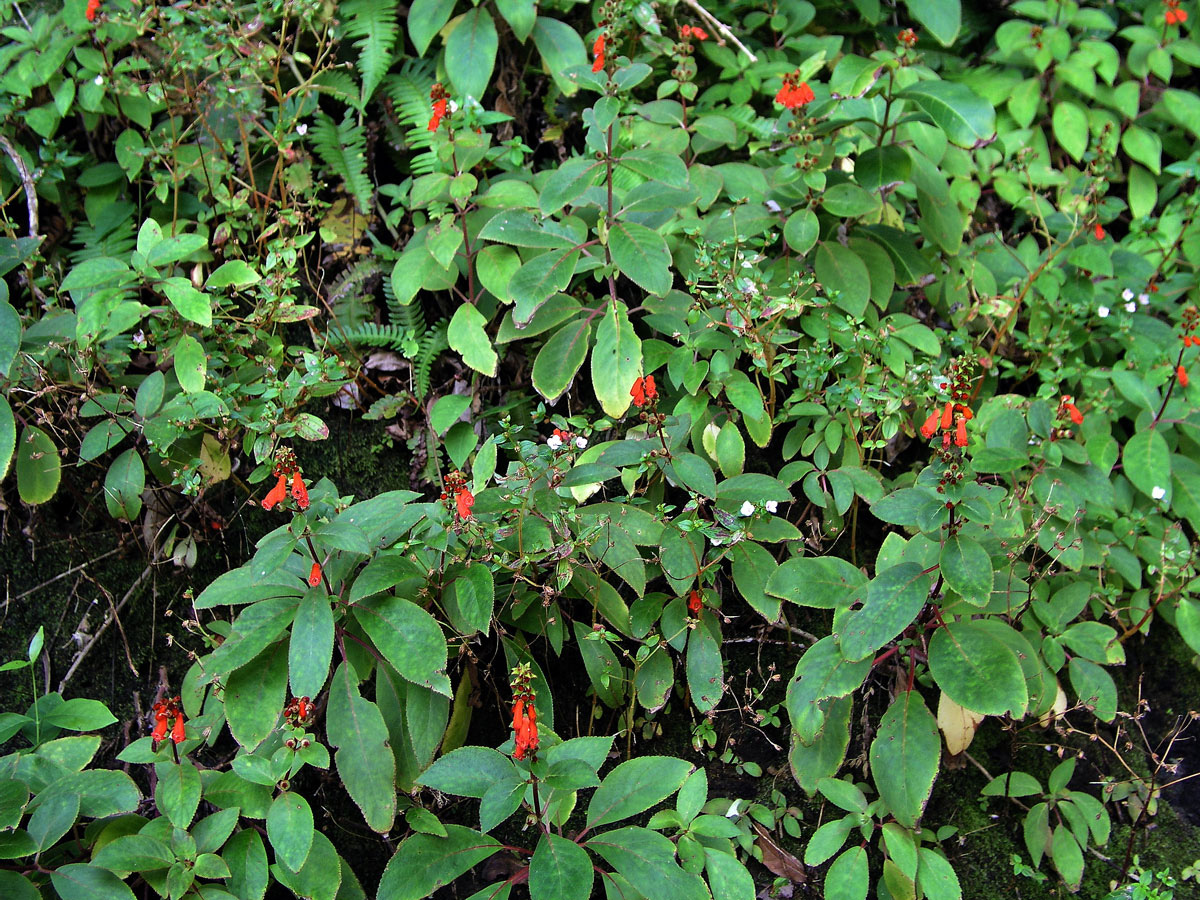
{"points": [[643, 391], [1067, 407], [794, 93], [298, 710], [441, 102], [1174, 15], [164, 711], [524, 721], [907, 37], [93, 8], [953, 417], [598, 53], [286, 467], [1191, 321], [1099, 231], [456, 496], [691, 31]]}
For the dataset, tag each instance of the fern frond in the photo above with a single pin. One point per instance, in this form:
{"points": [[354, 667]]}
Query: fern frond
{"points": [[351, 293], [432, 344], [373, 24], [407, 315], [112, 234], [409, 93], [344, 149], [369, 334], [339, 85]]}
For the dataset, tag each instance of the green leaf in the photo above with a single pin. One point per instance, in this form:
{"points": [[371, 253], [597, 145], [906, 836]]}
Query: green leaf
{"points": [[468, 771], [320, 876], [190, 303], [520, 15], [967, 569], [616, 360], [364, 762], [641, 254], [894, 598], [843, 794], [425, 19], [634, 786], [752, 568], [52, 819], [290, 829], [941, 18], [821, 582], [537, 280], [848, 878], [977, 670], [1094, 687], [560, 358], [562, 49], [567, 182], [705, 669], [822, 673], [475, 598], [177, 791], [425, 862], [965, 117], [134, 853], [825, 754], [1146, 462], [1068, 856], [560, 870], [936, 877], [467, 336], [80, 881], [471, 53], [246, 857], [904, 757], [647, 860], [727, 878], [254, 696], [694, 473], [8, 435], [408, 637], [1144, 146], [123, 486], [233, 273], [841, 269], [80, 714], [10, 336], [1070, 123], [191, 364], [311, 647], [38, 466], [827, 840]]}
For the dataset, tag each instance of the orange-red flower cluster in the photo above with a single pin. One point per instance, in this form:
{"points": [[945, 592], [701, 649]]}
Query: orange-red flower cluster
{"points": [[691, 31], [695, 602], [441, 102], [524, 721], [907, 37], [93, 7], [286, 468], [1098, 231], [643, 391], [1067, 407], [794, 93], [598, 53], [456, 496], [1191, 321], [1181, 374], [164, 711], [1175, 15], [953, 417]]}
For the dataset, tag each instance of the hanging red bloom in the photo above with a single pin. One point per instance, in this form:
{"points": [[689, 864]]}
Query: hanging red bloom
{"points": [[299, 491], [952, 418], [960, 431], [1067, 407], [1099, 231], [93, 8], [277, 494], [691, 31], [598, 53], [463, 501], [695, 602], [1174, 15], [441, 103], [164, 711], [178, 735], [794, 93], [1181, 374], [643, 391], [524, 721], [314, 575], [161, 722]]}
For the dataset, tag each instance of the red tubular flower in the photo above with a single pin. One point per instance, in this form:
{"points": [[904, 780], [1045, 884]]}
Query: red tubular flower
{"points": [[794, 93], [463, 501], [1174, 15], [161, 722], [695, 603], [314, 576], [1181, 374], [1099, 232], [643, 391], [178, 735], [691, 31], [947, 417], [930, 428], [524, 720], [93, 8], [277, 494], [439, 113], [1067, 407], [598, 53], [960, 432], [299, 491]]}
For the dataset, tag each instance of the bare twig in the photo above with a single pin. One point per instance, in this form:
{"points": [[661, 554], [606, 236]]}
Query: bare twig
{"points": [[26, 182], [721, 28], [61, 575], [108, 620]]}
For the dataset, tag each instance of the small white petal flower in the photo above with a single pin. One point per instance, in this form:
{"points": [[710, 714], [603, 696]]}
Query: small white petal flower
{"points": [[1127, 294], [554, 442], [98, 81], [747, 508], [581, 443], [1131, 306], [1144, 299], [453, 107], [302, 129], [732, 812], [1102, 312], [773, 206], [717, 542], [772, 506], [1158, 493]]}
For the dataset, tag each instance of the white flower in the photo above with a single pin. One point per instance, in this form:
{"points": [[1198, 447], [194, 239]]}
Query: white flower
{"points": [[772, 206], [453, 107], [1127, 294], [747, 508], [717, 542], [1130, 306], [554, 442], [1144, 299], [772, 505], [581, 443], [1102, 312], [1158, 493], [302, 129], [98, 81]]}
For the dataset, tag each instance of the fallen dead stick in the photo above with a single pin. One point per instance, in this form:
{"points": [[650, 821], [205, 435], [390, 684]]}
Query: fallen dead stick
{"points": [[108, 620]]}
